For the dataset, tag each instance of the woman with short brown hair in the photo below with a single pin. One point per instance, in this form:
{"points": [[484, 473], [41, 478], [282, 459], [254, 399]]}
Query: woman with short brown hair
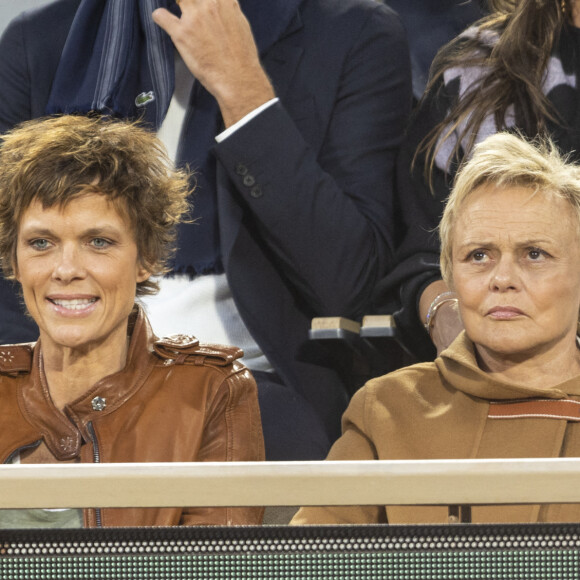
{"points": [[88, 209]]}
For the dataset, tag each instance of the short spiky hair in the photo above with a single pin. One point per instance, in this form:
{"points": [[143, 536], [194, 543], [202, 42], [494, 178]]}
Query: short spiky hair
{"points": [[56, 159], [507, 160]]}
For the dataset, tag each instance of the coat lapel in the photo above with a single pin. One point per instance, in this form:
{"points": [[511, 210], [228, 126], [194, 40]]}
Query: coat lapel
{"points": [[282, 60]]}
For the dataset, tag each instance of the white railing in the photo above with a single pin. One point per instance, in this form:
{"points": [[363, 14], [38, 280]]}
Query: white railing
{"points": [[443, 482]]}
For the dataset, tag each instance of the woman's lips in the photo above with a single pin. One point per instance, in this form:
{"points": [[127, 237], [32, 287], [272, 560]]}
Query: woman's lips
{"points": [[504, 312], [73, 306]]}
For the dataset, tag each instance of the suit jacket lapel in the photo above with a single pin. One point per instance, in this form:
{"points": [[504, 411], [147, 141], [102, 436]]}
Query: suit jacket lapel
{"points": [[282, 60]]}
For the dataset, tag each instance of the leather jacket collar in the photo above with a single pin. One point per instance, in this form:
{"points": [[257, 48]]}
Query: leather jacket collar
{"points": [[64, 432]]}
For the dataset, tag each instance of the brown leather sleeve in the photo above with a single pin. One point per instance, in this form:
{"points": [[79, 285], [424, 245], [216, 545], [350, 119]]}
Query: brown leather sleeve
{"points": [[232, 432]]}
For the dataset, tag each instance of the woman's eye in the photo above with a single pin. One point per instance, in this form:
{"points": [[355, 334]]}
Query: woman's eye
{"points": [[40, 244], [478, 256], [535, 254], [100, 243]]}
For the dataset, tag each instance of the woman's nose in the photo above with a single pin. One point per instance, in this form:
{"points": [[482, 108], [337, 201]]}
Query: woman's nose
{"points": [[68, 265], [505, 275]]}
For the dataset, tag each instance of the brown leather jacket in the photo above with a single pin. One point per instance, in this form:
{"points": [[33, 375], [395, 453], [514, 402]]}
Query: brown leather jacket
{"points": [[175, 400]]}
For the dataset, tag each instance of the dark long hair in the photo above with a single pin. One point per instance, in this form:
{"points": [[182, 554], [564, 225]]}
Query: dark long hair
{"points": [[513, 69]]}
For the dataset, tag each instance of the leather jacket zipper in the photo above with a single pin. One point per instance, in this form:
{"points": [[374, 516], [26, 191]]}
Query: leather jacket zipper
{"points": [[18, 451], [96, 459]]}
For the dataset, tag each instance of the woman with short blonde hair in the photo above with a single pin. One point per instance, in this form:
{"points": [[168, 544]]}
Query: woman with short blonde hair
{"points": [[509, 385]]}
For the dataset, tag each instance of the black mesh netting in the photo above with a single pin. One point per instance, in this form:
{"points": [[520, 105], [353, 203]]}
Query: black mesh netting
{"points": [[462, 552]]}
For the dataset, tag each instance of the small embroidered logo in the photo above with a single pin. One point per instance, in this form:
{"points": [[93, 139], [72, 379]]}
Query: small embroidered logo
{"points": [[143, 99], [67, 444], [6, 356]]}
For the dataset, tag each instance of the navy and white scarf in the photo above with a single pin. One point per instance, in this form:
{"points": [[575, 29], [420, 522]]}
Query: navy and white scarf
{"points": [[116, 61], [560, 86]]}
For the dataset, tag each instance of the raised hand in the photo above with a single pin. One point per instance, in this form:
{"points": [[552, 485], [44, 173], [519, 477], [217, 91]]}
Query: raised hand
{"points": [[216, 43]]}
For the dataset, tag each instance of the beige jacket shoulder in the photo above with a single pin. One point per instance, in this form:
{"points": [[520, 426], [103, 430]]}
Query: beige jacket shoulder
{"points": [[437, 410]]}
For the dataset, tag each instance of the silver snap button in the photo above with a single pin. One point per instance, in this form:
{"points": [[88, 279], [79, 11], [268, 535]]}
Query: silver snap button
{"points": [[168, 362], [98, 403]]}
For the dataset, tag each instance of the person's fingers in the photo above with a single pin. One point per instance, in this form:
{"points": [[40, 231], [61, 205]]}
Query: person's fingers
{"points": [[164, 19]]}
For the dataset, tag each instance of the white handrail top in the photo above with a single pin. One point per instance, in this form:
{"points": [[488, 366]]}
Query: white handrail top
{"points": [[423, 482]]}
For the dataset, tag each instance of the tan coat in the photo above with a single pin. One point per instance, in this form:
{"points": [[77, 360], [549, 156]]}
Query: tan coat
{"points": [[440, 410], [175, 400]]}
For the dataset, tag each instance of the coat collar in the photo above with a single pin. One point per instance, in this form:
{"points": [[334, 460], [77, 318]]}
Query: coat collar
{"points": [[64, 432], [458, 366]]}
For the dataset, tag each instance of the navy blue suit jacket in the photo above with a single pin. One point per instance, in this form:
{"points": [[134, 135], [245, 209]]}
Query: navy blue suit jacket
{"points": [[312, 231]]}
